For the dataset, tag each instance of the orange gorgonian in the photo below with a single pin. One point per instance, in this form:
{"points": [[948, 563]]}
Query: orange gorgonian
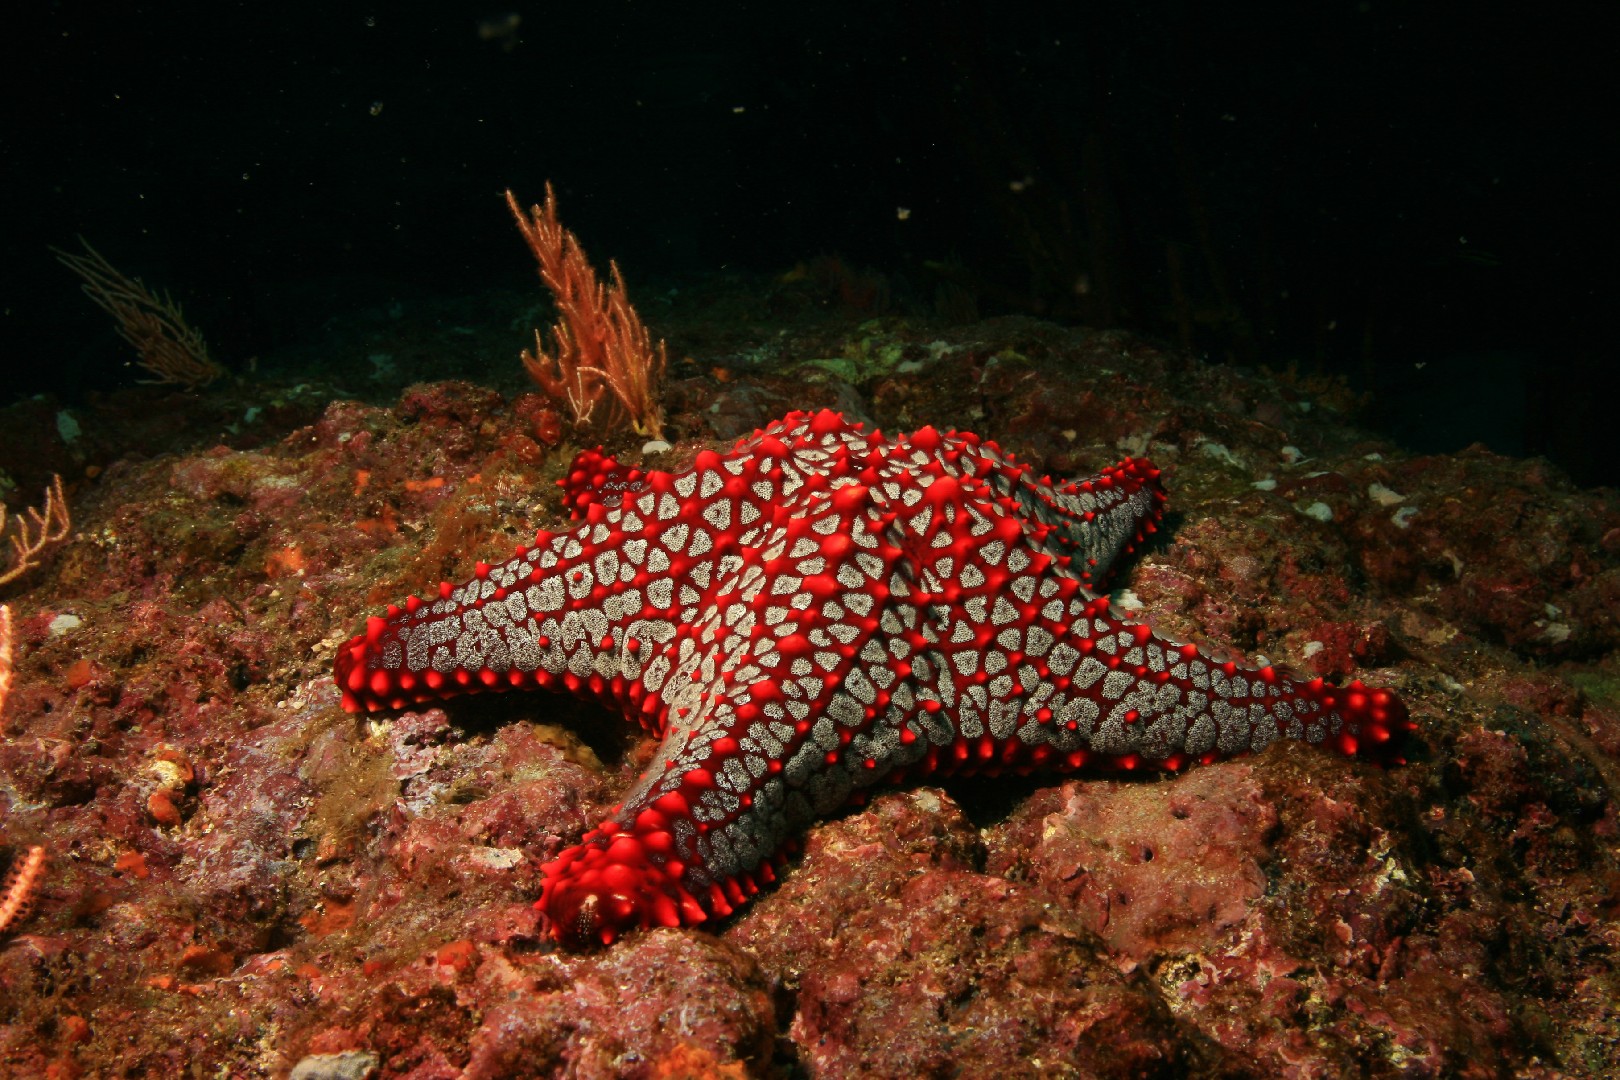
{"points": [[22, 884]]}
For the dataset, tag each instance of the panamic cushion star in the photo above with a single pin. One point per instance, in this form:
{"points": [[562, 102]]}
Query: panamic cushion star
{"points": [[818, 611]]}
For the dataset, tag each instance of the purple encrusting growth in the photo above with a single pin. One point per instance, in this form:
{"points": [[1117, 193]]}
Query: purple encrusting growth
{"points": [[820, 610]]}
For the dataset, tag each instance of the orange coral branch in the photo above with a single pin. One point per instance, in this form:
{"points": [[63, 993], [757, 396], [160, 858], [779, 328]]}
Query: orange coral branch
{"points": [[5, 656], [600, 345], [166, 344], [36, 530], [22, 883], [22, 880]]}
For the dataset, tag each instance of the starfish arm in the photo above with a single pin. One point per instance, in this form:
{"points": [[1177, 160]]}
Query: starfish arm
{"points": [[1020, 664], [1026, 667], [581, 610], [1090, 524], [770, 710], [1089, 689], [595, 478]]}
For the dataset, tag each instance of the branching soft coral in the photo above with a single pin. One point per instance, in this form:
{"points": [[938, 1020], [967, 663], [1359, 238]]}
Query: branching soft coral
{"points": [[603, 366], [5, 655], [36, 530], [166, 345]]}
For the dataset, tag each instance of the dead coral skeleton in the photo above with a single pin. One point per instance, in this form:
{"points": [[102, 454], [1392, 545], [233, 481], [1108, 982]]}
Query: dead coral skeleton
{"points": [[36, 530], [166, 345], [600, 346]]}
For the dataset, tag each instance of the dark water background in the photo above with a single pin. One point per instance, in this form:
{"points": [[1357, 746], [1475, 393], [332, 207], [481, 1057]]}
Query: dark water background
{"points": [[1421, 201]]}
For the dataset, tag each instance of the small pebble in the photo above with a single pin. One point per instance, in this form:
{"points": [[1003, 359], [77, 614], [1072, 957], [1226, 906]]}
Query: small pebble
{"points": [[349, 1065]]}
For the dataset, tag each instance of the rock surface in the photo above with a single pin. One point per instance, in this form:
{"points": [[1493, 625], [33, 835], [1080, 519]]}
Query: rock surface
{"points": [[245, 880]]}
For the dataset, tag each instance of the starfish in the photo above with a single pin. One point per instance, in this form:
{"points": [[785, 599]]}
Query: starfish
{"points": [[819, 610]]}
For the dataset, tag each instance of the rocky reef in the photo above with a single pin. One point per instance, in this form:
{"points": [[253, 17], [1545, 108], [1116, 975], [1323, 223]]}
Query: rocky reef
{"points": [[245, 880]]}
